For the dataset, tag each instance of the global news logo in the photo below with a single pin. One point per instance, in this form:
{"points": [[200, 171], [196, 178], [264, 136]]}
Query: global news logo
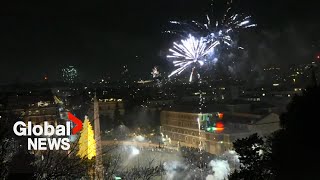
{"points": [[48, 136]]}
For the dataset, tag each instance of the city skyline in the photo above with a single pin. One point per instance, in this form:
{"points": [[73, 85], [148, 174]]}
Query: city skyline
{"points": [[183, 89]]}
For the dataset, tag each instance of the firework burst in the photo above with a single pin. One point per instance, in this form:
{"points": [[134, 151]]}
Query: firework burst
{"points": [[217, 31], [191, 52], [195, 52]]}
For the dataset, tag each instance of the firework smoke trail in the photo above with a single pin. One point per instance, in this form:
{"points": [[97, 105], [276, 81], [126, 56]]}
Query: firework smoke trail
{"points": [[191, 52], [220, 168]]}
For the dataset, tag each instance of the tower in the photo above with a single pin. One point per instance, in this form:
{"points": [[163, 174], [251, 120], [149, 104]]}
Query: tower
{"points": [[99, 164]]}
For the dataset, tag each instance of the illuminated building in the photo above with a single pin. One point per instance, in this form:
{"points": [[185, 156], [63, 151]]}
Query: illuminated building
{"points": [[215, 132], [36, 106], [184, 130], [39, 113]]}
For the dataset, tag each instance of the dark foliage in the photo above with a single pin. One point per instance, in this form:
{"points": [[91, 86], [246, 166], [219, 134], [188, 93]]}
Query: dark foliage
{"points": [[254, 157], [291, 152], [294, 147], [21, 165]]}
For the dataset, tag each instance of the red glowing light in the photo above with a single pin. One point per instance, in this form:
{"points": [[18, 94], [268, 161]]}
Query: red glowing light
{"points": [[219, 125], [220, 115]]}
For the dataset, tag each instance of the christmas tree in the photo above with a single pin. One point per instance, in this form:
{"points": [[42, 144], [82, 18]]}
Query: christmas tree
{"points": [[87, 144]]}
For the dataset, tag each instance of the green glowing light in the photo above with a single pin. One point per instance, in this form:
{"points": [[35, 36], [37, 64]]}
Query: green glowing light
{"points": [[210, 129]]}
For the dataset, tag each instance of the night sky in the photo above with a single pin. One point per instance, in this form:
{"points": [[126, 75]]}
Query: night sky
{"points": [[99, 37]]}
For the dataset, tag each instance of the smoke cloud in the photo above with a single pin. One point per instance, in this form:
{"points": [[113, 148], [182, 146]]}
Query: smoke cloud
{"points": [[221, 170]]}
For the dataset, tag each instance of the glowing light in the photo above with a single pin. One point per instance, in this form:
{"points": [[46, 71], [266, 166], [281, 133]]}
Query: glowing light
{"points": [[144, 81], [139, 138], [219, 126], [155, 72], [199, 125], [134, 151], [220, 115], [87, 144], [210, 129], [57, 100]]}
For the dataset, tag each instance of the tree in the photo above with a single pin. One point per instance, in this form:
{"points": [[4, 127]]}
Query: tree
{"points": [[7, 142], [59, 164], [87, 144], [113, 168], [21, 164], [15, 160], [254, 156], [66, 164], [294, 144], [288, 152]]}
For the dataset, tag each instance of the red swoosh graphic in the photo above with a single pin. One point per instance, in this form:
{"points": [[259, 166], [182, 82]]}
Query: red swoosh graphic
{"points": [[77, 121]]}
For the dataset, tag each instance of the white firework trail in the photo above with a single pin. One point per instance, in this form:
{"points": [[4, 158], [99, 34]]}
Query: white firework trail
{"points": [[190, 52], [220, 31], [190, 78], [196, 51]]}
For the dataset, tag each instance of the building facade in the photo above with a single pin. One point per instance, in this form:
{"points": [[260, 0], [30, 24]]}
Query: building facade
{"points": [[183, 129], [214, 132], [107, 112]]}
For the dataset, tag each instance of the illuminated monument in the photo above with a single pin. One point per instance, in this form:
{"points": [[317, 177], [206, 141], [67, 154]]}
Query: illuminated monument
{"points": [[99, 164]]}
